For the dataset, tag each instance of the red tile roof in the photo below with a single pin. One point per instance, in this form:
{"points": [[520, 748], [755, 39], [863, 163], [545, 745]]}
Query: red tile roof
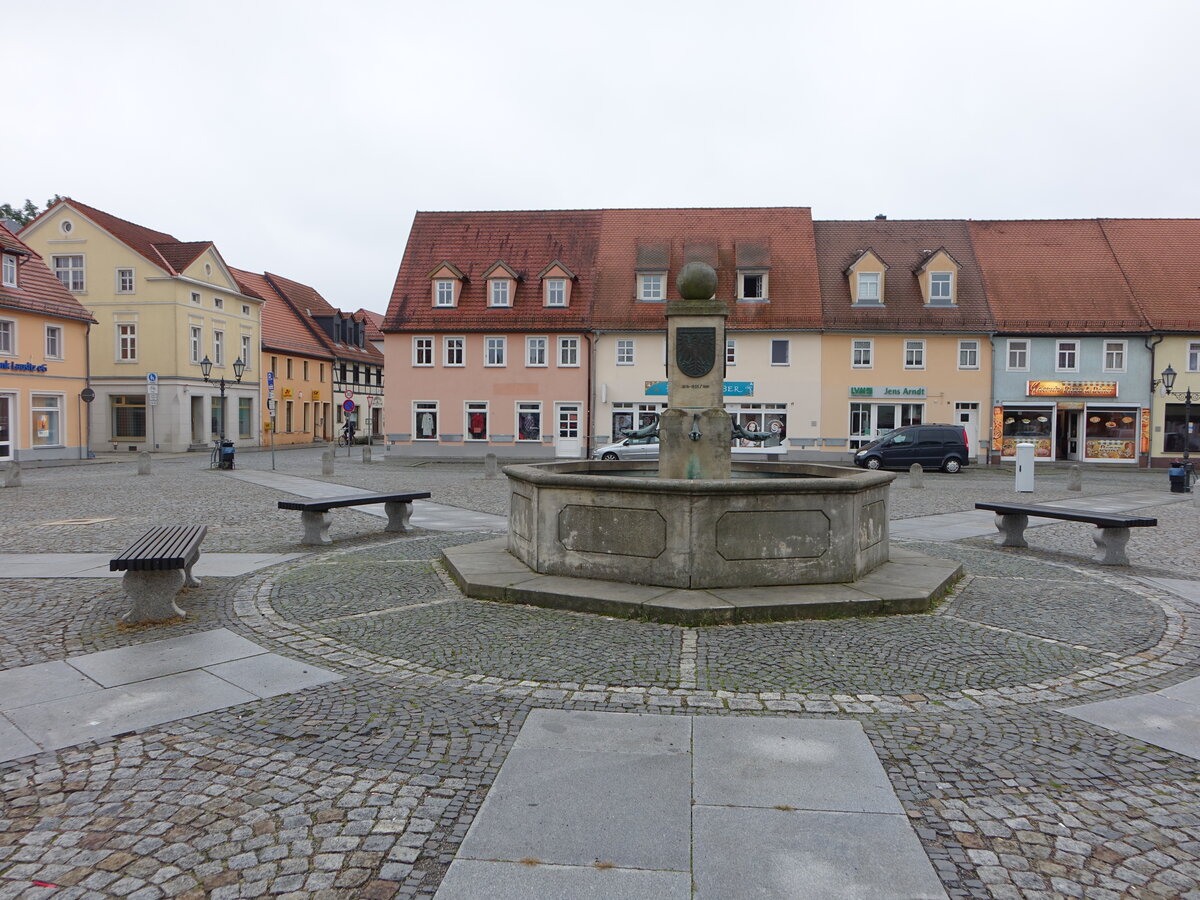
{"points": [[374, 322], [1054, 276], [283, 329], [37, 290], [473, 242], [1161, 262], [306, 301], [778, 237], [904, 246]]}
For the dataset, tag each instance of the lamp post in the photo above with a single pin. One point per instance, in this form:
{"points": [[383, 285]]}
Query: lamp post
{"points": [[206, 369], [1168, 380]]}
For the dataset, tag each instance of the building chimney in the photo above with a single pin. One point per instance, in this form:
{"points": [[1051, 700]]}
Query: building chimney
{"points": [[881, 218]]}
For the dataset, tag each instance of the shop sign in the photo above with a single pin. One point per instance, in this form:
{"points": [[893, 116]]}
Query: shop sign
{"points": [[1071, 388], [316, 395], [886, 392], [9, 366], [1146, 429], [730, 389], [287, 393]]}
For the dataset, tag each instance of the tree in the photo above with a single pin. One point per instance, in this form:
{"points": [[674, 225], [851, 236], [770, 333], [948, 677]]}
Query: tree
{"points": [[25, 214]]}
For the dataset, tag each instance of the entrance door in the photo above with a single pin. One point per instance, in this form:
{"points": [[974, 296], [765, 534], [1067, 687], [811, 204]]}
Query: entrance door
{"points": [[198, 436], [967, 415], [1068, 434], [567, 441], [6, 426]]}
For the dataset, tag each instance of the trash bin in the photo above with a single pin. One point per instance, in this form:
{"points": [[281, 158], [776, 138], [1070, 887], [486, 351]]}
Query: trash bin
{"points": [[227, 451], [1180, 475]]}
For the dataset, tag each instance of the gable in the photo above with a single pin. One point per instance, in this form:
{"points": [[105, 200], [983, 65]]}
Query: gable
{"points": [[211, 269]]}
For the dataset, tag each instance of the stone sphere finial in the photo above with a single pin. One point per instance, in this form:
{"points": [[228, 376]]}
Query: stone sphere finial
{"points": [[697, 281]]}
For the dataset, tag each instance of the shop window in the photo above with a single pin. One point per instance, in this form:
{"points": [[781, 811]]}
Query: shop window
{"points": [[425, 421], [1180, 432], [245, 423], [47, 420], [217, 416], [631, 416], [477, 421], [1110, 433], [128, 417], [759, 417], [1032, 425], [529, 421]]}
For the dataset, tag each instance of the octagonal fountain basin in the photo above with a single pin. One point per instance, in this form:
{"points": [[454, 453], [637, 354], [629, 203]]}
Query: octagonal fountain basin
{"points": [[771, 523]]}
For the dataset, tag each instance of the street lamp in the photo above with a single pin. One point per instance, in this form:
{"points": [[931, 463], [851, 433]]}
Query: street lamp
{"points": [[1168, 381], [206, 369]]}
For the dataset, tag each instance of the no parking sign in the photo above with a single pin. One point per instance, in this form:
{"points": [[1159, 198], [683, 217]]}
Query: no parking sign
{"points": [[348, 405]]}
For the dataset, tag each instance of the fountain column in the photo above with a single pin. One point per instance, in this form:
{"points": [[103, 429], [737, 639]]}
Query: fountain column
{"points": [[694, 430]]}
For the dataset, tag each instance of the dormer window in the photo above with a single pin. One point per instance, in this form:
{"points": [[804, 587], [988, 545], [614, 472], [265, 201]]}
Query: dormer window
{"points": [[9, 273], [937, 275], [498, 292], [444, 293], [868, 287], [941, 285], [556, 284], [556, 292], [652, 286], [753, 260], [446, 282], [752, 285]]}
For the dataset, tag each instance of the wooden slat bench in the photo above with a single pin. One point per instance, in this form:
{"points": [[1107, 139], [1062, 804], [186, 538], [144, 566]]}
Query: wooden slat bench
{"points": [[156, 566], [314, 514], [1111, 535]]}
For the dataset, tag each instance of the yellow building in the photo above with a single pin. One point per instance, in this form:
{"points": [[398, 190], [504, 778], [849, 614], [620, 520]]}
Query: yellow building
{"points": [[162, 306], [43, 360]]}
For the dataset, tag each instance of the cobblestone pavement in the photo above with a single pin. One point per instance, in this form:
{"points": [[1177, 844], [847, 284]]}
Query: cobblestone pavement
{"points": [[364, 788]]}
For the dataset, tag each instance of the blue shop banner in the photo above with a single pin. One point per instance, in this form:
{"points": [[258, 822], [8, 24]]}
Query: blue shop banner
{"points": [[731, 389]]}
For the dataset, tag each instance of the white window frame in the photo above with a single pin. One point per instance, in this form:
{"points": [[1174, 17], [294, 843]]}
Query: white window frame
{"points": [[625, 352], [70, 271], [873, 278], [246, 355], [196, 297], [443, 292], [8, 272], [246, 312], [477, 406], [730, 352], [525, 407], [914, 354], [1194, 356], [218, 347], [499, 292], [495, 349], [948, 296], [1122, 348], [742, 275], [537, 350], [126, 342], [965, 348], [568, 352], [422, 351], [862, 353], [218, 302], [454, 351], [1059, 350], [426, 406], [556, 292], [54, 414], [54, 352], [126, 275], [196, 333], [786, 344], [659, 292], [8, 337], [1009, 350]]}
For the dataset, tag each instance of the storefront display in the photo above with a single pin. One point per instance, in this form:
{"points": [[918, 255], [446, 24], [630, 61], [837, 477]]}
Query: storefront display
{"points": [[1110, 433], [1027, 425]]}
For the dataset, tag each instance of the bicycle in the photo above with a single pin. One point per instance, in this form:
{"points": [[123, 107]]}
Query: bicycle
{"points": [[215, 461], [344, 439]]}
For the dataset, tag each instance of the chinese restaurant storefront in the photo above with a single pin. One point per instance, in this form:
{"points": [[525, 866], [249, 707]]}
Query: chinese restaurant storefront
{"points": [[1072, 420]]}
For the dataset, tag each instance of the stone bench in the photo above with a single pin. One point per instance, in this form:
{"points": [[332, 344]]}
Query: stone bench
{"points": [[1111, 535], [314, 514], [156, 566]]}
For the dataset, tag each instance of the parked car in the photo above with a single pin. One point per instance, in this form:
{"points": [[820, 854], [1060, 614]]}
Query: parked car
{"points": [[933, 446], [630, 448]]}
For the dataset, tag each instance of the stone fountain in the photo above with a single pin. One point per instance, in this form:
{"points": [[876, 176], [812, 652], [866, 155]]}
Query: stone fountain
{"points": [[697, 538]]}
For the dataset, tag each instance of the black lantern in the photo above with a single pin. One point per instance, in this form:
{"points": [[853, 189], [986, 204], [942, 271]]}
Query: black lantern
{"points": [[206, 369]]}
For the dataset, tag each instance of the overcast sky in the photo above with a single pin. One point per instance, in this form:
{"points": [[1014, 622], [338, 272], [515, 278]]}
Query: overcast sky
{"points": [[301, 136]]}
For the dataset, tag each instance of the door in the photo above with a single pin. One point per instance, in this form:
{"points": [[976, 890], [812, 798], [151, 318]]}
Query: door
{"points": [[1068, 434], [198, 435], [6, 427], [967, 415], [567, 441]]}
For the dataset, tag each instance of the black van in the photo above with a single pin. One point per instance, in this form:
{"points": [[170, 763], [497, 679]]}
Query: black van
{"points": [[933, 446]]}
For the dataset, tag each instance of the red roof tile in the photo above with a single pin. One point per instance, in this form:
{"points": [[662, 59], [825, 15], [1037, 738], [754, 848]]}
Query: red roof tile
{"points": [[37, 289], [473, 242], [283, 329], [903, 246], [374, 322], [1054, 276], [306, 301], [1161, 262]]}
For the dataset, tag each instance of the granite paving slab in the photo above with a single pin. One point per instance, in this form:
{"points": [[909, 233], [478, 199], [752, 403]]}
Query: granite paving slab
{"points": [[95, 565], [14, 743], [604, 732], [474, 879], [41, 682], [1155, 718], [269, 674], [142, 661]]}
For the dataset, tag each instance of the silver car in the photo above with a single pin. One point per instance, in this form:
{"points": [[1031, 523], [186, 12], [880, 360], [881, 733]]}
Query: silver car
{"points": [[630, 448]]}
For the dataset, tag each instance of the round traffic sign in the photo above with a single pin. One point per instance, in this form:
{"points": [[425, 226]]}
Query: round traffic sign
{"points": [[348, 406], [349, 394], [87, 395]]}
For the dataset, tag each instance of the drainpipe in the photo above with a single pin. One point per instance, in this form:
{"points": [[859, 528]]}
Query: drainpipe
{"points": [[1151, 346], [86, 434], [592, 339]]}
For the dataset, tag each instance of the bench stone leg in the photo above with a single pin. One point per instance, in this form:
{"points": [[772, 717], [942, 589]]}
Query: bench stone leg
{"points": [[1110, 545], [398, 515], [153, 595], [316, 527], [1013, 529], [190, 581]]}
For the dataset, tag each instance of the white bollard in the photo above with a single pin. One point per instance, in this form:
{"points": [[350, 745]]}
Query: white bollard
{"points": [[327, 462], [12, 474], [1074, 479], [916, 476], [144, 462]]}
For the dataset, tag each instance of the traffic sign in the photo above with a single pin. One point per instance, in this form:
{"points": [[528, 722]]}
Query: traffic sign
{"points": [[152, 377], [349, 394], [348, 405], [270, 379], [370, 401]]}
